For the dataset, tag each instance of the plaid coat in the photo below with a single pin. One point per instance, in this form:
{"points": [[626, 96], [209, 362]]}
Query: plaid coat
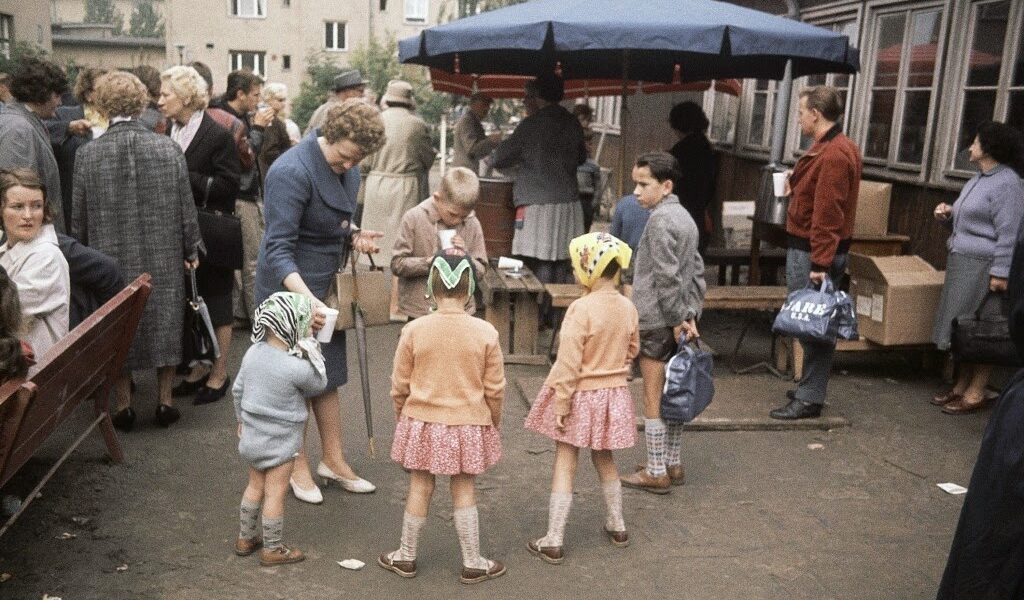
{"points": [[132, 201]]}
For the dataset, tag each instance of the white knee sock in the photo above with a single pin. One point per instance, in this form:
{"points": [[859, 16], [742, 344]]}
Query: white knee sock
{"points": [[613, 501], [467, 525], [654, 431], [411, 525], [675, 444], [558, 513]]}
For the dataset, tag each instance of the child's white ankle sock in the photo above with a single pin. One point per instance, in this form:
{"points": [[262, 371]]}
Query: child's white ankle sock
{"points": [[467, 525], [273, 531], [613, 500], [558, 513], [654, 432], [248, 517], [411, 525]]}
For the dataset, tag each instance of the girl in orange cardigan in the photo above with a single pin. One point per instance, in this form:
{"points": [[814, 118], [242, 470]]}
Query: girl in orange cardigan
{"points": [[585, 402], [448, 385]]}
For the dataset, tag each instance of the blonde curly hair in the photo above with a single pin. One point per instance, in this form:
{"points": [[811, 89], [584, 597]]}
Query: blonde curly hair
{"points": [[120, 94], [189, 85], [356, 121]]}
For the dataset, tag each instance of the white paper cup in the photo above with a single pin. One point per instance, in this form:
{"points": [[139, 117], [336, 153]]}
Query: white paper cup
{"points": [[779, 182], [505, 262], [445, 237], [327, 332]]}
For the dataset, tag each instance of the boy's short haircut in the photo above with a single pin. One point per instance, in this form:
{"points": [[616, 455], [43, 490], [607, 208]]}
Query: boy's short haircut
{"points": [[461, 187], [461, 290], [663, 166]]}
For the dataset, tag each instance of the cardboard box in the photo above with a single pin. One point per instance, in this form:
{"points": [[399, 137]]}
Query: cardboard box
{"points": [[896, 298], [872, 208]]}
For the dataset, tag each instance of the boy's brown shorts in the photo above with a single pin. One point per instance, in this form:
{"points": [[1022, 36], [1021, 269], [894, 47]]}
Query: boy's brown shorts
{"points": [[659, 344]]}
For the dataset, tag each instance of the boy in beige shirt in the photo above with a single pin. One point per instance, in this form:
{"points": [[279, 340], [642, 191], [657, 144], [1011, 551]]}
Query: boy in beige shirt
{"points": [[449, 209]]}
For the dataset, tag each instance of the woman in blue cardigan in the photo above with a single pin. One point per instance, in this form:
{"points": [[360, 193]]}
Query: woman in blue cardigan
{"points": [[309, 201]]}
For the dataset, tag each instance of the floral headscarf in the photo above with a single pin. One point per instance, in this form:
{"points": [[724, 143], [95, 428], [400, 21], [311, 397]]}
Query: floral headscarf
{"points": [[591, 253]]}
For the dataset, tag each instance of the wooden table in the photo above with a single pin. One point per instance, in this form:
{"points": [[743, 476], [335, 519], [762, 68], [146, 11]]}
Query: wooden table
{"points": [[512, 303], [889, 244]]}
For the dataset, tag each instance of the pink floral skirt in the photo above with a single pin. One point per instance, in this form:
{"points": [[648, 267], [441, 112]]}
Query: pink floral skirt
{"points": [[601, 419], [445, 449]]}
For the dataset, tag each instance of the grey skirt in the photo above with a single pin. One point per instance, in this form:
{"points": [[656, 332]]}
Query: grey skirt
{"points": [[964, 290], [547, 230], [267, 442]]}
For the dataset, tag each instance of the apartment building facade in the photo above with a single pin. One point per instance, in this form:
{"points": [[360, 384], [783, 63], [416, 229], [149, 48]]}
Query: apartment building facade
{"points": [[22, 21], [275, 38]]}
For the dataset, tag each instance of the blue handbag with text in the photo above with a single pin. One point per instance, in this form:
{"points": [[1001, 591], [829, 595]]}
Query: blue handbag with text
{"points": [[689, 386], [809, 314]]}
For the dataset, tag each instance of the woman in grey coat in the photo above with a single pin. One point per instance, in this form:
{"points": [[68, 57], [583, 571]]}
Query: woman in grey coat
{"points": [[133, 201], [308, 205]]}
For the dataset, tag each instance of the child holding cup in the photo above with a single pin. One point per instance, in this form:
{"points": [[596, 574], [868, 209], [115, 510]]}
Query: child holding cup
{"points": [[444, 220]]}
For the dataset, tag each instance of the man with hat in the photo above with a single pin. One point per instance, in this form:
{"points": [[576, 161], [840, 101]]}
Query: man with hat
{"points": [[395, 177], [349, 84], [471, 143]]}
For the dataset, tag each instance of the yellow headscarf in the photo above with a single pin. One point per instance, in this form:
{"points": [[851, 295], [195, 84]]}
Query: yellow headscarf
{"points": [[591, 253]]}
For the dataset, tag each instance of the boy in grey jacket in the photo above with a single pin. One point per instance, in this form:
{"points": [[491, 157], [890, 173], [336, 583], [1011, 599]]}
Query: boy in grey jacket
{"points": [[668, 291]]}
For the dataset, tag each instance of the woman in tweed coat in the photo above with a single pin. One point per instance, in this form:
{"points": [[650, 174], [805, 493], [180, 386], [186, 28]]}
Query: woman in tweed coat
{"points": [[133, 201]]}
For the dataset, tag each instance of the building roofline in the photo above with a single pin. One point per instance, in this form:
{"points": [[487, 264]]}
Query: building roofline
{"points": [[116, 42]]}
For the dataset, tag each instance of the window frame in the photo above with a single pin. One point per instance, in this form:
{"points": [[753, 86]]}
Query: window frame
{"points": [[260, 11], [607, 114], [261, 55], [891, 167], [415, 19], [955, 78], [746, 114], [711, 110], [7, 41], [344, 27]]}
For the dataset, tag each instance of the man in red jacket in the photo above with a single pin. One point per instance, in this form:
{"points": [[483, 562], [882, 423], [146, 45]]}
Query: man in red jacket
{"points": [[823, 201]]}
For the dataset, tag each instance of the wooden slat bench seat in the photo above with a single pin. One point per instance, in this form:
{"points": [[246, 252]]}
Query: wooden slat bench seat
{"points": [[81, 367], [729, 261], [512, 301]]}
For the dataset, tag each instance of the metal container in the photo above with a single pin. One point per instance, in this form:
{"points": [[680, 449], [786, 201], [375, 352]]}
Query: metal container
{"points": [[497, 215], [770, 208]]}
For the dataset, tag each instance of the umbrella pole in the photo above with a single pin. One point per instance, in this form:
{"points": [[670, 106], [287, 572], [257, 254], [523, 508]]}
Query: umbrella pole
{"points": [[444, 142], [622, 112]]}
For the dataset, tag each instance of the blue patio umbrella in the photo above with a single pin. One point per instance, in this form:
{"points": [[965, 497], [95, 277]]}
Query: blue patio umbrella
{"points": [[640, 40]]}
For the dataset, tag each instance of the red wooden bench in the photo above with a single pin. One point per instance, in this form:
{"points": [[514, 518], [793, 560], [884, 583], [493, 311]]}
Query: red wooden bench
{"points": [[83, 366]]}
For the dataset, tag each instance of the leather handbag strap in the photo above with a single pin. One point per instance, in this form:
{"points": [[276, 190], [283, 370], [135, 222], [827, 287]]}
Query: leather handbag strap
{"points": [[193, 289]]}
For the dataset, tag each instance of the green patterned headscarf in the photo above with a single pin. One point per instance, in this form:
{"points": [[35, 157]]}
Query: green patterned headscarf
{"points": [[290, 317], [450, 265]]}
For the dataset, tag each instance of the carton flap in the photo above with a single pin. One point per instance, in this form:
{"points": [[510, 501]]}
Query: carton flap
{"points": [[887, 268]]}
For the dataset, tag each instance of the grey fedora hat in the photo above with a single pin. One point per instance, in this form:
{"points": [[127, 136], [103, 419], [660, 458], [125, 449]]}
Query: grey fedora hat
{"points": [[348, 79]]}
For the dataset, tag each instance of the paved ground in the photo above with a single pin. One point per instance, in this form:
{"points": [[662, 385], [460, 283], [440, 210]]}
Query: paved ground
{"points": [[762, 515]]}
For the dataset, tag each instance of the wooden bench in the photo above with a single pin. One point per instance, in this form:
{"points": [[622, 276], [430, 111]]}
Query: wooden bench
{"points": [[82, 366], [729, 261], [512, 302]]}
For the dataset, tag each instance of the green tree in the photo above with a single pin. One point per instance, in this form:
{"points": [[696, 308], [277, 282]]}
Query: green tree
{"points": [[320, 71], [145, 20], [104, 11]]}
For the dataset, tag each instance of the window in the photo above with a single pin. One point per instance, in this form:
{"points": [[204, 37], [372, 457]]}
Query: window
{"points": [[902, 82], [254, 61], [416, 11], [334, 38], [762, 112], [841, 81], [991, 74], [723, 112], [248, 8], [286, 62], [607, 113], [6, 35]]}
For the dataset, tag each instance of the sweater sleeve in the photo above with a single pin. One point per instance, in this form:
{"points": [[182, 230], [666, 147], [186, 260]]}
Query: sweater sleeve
{"points": [[634, 336], [1007, 211], [508, 152], [476, 247], [565, 373], [828, 216], [311, 382], [494, 379], [401, 372], [237, 390], [404, 263]]}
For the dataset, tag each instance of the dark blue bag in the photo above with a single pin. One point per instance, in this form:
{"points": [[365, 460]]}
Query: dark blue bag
{"points": [[810, 314], [689, 386], [846, 317]]}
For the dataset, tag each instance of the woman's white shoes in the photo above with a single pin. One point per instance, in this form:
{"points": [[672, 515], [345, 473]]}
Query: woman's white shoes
{"points": [[356, 486], [313, 496]]}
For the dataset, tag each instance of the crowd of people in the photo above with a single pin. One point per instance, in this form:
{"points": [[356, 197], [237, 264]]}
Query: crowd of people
{"points": [[150, 172]]}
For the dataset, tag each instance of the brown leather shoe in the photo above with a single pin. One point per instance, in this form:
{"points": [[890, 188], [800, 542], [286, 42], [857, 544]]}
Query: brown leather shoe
{"points": [[552, 555], [962, 407], [282, 555], [402, 568], [642, 480], [944, 399], [619, 539], [676, 474], [244, 547], [477, 575]]}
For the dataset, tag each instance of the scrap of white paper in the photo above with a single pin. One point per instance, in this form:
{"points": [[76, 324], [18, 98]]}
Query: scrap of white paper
{"points": [[952, 488], [351, 564]]}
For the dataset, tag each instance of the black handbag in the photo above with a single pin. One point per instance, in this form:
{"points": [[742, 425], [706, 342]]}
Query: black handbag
{"points": [[984, 337], [222, 235], [199, 342]]}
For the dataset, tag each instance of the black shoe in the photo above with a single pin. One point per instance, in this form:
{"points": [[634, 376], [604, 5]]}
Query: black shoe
{"points": [[124, 419], [187, 388], [166, 415], [791, 395], [796, 409], [207, 394]]}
